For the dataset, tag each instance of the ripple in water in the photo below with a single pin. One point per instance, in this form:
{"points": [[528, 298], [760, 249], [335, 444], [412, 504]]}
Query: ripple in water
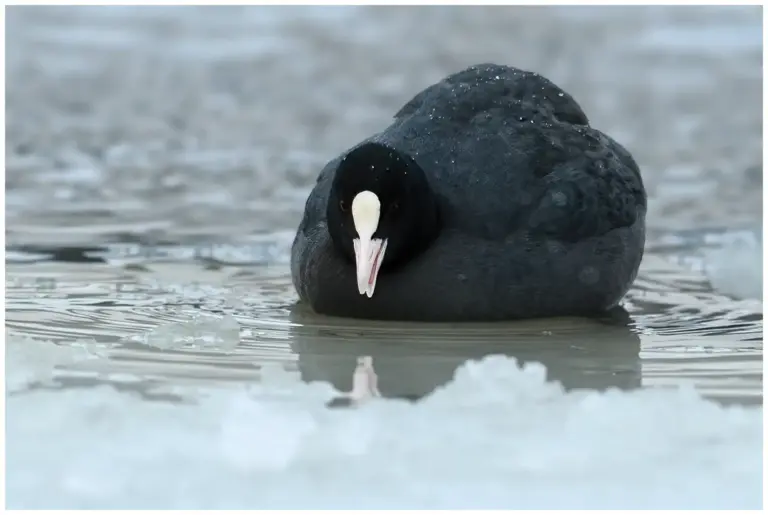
{"points": [[189, 321]]}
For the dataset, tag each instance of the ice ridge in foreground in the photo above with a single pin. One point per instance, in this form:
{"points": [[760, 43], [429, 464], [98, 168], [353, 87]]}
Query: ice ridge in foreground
{"points": [[497, 436]]}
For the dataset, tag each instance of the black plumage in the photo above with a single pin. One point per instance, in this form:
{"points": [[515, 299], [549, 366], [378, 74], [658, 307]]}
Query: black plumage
{"points": [[498, 200]]}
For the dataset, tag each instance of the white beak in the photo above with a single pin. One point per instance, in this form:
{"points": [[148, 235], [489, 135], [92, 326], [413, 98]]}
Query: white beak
{"points": [[369, 254], [369, 251]]}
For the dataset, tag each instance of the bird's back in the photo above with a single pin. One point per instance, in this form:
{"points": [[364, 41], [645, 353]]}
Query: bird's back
{"points": [[508, 151], [541, 215]]}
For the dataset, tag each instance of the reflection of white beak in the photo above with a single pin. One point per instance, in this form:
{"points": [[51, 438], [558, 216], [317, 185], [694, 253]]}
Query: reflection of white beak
{"points": [[369, 251]]}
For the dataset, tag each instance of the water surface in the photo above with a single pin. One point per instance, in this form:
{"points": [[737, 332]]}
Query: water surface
{"points": [[153, 319]]}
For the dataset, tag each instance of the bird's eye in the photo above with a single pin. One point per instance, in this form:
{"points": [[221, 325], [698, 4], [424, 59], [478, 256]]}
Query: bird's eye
{"points": [[343, 206]]}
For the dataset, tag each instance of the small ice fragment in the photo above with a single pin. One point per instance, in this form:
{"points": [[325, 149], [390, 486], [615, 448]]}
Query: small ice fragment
{"points": [[736, 269], [29, 360], [124, 378], [200, 331], [90, 348]]}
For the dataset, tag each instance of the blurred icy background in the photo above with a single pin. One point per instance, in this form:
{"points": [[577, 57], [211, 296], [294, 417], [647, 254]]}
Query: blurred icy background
{"points": [[204, 121]]}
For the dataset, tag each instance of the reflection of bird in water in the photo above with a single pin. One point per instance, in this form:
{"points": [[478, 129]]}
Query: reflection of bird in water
{"points": [[365, 385], [412, 360]]}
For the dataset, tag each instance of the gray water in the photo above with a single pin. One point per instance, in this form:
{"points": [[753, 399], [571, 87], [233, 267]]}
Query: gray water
{"points": [[157, 160]]}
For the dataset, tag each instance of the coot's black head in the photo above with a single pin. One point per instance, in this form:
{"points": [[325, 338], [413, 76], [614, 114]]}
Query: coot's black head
{"points": [[381, 211]]}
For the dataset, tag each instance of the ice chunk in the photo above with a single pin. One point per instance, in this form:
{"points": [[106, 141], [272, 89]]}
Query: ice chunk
{"points": [[736, 268], [28, 360], [497, 436], [198, 331]]}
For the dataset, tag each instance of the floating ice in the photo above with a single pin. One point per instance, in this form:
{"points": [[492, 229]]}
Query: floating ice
{"points": [[199, 331], [497, 436], [28, 360], [736, 268]]}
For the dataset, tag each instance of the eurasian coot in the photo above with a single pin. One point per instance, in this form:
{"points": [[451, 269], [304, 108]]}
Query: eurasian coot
{"points": [[488, 198]]}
